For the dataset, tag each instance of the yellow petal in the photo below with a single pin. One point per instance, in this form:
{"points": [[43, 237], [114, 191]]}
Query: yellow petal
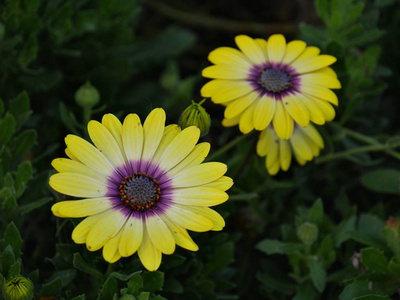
{"points": [[149, 255], [264, 112], [210, 214], [78, 185], [282, 122], [71, 155], [276, 47], [285, 155], [264, 48], [110, 250], [159, 234], [88, 154], [307, 53], [224, 183], [250, 48], [73, 166], [105, 142], [242, 88], [273, 156], [313, 63], [314, 111], [225, 72], [180, 235], [132, 137], [318, 78], [320, 92], [185, 217], [201, 196], [272, 167], [237, 106], [246, 122], [81, 208], [170, 132], [296, 110], [217, 85], [199, 174], [314, 135], [112, 123], [131, 236], [153, 129], [229, 56], [293, 50], [301, 147], [231, 122], [81, 231]]}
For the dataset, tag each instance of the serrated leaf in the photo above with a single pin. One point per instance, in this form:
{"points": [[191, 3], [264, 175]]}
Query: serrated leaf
{"points": [[135, 283], [7, 128], [81, 265], [316, 213], [24, 174], [355, 289], [52, 288], [374, 260], [12, 237], [382, 181], [20, 108], [317, 274], [24, 142], [109, 289], [277, 247], [153, 281], [7, 259]]}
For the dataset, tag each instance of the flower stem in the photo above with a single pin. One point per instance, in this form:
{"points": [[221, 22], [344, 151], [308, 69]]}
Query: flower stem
{"points": [[227, 147]]}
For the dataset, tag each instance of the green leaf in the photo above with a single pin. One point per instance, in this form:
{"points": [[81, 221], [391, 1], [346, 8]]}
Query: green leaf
{"points": [[144, 296], [29, 52], [67, 276], [153, 281], [26, 208], [317, 274], [305, 292], [52, 288], [109, 289], [8, 197], [382, 181], [341, 232], [374, 260], [322, 7], [80, 297], [7, 259], [316, 214], [15, 269], [20, 108], [24, 174], [24, 142], [222, 256], [13, 238], [7, 128], [277, 247], [394, 268], [358, 289], [123, 277], [68, 118], [369, 231], [135, 283], [81, 265]]}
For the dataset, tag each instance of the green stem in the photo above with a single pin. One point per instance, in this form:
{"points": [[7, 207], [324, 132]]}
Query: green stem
{"points": [[227, 147], [366, 139], [346, 153]]}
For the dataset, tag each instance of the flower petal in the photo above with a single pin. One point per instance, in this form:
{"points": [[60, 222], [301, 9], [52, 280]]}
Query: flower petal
{"points": [[153, 129], [282, 122], [88, 154], [180, 235], [319, 78], [201, 196], [225, 72], [301, 147], [132, 137], [264, 112], [185, 217], [105, 142], [131, 236], [160, 234], [250, 48], [276, 45], [78, 185], [81, 231], [170, 132], [224, 183], [149, 255], [246, 121], [296, 110], [242, 88], [196, 157], [314, 135], [81, 208], [293, 50], [72, 166], [263, 45], [110, 250], [321, 93], [105, 229], [230, 56], [231, 122], [179, 147], [237, 106], [307, 53], [314, 112], [199, 174], [112, 123], [210, 214], [285, 155], [214, 86], [313, 63]]}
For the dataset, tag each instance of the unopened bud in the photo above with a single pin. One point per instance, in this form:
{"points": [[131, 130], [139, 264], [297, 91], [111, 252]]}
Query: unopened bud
{"points": [[307, 233], [87, 95], [18, 288], [196, 115]]}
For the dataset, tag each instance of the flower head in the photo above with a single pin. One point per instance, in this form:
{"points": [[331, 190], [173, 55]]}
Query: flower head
{"points": [[18, 288], [144, 187], [271, 81], [196, 115], [305, 143]]}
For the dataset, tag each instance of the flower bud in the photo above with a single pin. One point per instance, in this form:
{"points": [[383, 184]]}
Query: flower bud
{"points": [[196, 115], [307, 233], [18, 288], [87, 95]]}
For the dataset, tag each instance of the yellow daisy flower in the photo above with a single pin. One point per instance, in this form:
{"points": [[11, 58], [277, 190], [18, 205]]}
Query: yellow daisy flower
{"points": [[144, 187], [305, 143], [271, 81]]}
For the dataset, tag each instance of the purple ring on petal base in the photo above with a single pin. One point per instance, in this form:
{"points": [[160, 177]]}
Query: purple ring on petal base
{"points": [[140, 190], [275, 80]]}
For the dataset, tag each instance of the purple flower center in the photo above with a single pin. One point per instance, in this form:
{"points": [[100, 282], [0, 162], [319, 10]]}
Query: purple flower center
{"points": [[275, 81], [139, 191]]}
